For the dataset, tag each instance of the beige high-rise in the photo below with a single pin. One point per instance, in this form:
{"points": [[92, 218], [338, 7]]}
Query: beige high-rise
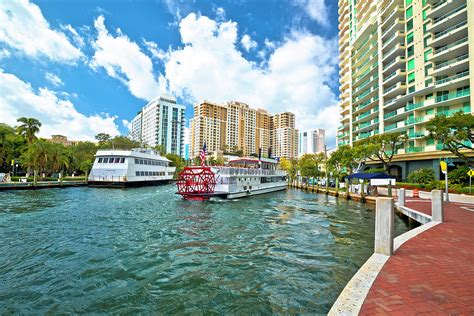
{"points": [[401, 63], [284, 136], [235, 126]]}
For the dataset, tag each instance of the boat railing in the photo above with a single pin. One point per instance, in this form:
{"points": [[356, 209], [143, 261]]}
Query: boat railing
{"points": [[249, 171]]}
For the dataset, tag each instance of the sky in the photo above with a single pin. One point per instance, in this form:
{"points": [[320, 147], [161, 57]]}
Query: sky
{"points": [[83, 67]]}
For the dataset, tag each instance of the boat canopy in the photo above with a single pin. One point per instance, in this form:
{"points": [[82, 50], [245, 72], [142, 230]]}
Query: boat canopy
{"points": [[379, 175]]}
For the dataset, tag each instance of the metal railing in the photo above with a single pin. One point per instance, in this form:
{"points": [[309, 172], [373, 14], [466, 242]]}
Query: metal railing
{"points": [[451, 61], [231, 171], [446, 47]]}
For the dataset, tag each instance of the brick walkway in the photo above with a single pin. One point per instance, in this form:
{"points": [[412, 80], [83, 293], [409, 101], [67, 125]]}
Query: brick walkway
{"points": [[433, 273]]}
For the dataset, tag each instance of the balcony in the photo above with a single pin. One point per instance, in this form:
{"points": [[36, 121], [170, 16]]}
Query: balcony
{"points": [[414, 120], [451, 66], [448, 19], [365, 93], [365, 83], [450, 112], [451, 50], [416, 135], [390, 114], [448, 35], [398, 49], [365, 104], [454, 81], [395, 64], [365, 73], [413, 106], [397, 88], [390, 127], [410, 150], [452, 96], [397, 12]]}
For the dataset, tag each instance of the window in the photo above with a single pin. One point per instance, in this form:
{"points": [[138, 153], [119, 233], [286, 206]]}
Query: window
{"points": [[122, 160], [424, 14], [424, 2], [411, 64], [408, 2], [411, 89], [410, 38], [106, 160], [429, 111], [137, 173], [429, 96], [142, 173], [410, 25], [427, 68], [410, 51], [427, 54], [137, 161], [100, 160], [466, 107], [409, 12], [117, 160], [425, 40], [430, 141], [428, 82], [141, 161], [411, 77], [146, 173]]}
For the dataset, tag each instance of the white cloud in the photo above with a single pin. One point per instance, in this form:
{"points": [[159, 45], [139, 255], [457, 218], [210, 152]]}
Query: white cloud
{"points": [[247, 42], [58, 116], [4, 53], [122, 59], [316, 10], [55, 80], [75, 35], [154, 50], [127, 124], [23, 28], [220, 13], [296, 76]]}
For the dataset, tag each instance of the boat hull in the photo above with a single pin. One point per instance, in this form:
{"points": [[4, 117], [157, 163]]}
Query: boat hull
{"points": [[242, 194], [126, 184]]}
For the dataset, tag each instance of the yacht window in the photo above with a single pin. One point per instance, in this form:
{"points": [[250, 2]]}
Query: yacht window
{"points": [[146, 173], [137, 173], [142, 173], [170, 173], [122, 160], [117, 160], [137, 161], [105, 160], [100, 160], [141, 161]]}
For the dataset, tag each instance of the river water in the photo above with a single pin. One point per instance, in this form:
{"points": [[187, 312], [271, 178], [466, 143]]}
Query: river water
{"points": [[85, 250]]}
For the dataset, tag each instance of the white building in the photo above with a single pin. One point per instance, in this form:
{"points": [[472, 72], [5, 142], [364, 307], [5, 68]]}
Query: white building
{"points": [[311, 142], [161, 122]]}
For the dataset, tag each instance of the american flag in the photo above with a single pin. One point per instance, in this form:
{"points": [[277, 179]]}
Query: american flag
{"points": [[203, 155]]}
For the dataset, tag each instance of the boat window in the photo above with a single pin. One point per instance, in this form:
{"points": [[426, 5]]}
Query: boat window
{"points": [[137, 173], [141, 161], [117, 160], [142, 173], [100, 160], [137, 161], [122, 160], [146, 173], [105, 160], [170, 173]]}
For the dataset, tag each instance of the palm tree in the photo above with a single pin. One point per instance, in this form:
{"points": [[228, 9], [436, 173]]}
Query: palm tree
{"points": [[7, 134], [58, 158], [85, 167], [29, 127]]}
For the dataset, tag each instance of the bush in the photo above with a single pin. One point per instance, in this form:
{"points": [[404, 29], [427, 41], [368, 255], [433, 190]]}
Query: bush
{"points": [[374, 170], [459, 175], [435, 185], [423, 175]]}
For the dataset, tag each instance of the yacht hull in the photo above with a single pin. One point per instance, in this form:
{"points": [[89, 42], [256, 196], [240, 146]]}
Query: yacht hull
{"points": [[127, 184]]}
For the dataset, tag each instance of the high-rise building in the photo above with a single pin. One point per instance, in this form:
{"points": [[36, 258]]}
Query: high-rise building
{"points": [[311, 142], [160, 123], [402, 62], [284, 136], [231, 127]]}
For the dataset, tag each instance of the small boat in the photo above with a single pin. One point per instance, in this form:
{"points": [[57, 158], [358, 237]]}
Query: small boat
{"points": [[130, 168], [240, 178]]}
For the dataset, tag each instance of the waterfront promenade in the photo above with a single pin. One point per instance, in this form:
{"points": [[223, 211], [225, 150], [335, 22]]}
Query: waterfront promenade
{"points": [[431, 273]]}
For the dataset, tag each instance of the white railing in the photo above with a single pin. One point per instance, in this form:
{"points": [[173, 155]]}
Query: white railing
{"points": [[249, 171]]}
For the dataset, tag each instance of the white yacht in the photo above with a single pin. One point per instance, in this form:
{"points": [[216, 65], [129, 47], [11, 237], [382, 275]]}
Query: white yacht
{"points": [[240, 178], [136, 167]]}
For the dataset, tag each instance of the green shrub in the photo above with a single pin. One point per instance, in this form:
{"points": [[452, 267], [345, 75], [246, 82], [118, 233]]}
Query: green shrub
{"points": [[459, 175], [423, 175], [374, 170], [435, 185]]}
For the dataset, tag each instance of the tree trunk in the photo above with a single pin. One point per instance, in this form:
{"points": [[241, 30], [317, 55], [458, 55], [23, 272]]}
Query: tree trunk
{"points": [[35, 174]]}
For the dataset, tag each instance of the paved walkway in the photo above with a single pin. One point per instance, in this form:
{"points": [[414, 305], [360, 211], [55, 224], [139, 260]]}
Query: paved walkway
{"points": [[433, 273]]}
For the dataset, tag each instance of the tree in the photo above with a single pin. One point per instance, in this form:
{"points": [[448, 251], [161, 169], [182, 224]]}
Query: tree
{"points": [[85, 166], [176, 161], [285, 164], [81, 152], [456, 133], [102, 138], [345, 157], [161, 149], [58, 157], [29, 127], [381, 148], [7, 136]]}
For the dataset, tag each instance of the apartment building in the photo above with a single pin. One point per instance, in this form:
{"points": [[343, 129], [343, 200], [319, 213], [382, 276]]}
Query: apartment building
{"points": [[231, 126], [311, 142], [402, 62], [160, 123], [284, 135]]}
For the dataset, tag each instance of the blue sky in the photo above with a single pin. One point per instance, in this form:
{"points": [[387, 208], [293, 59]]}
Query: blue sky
{"points": [[84, 67]]}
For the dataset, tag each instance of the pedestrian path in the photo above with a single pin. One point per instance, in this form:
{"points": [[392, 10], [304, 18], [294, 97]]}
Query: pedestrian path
{"points": [[432, 273]]}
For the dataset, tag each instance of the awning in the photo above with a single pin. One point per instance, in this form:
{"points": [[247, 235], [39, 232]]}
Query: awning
{"points": [[379, 175]]}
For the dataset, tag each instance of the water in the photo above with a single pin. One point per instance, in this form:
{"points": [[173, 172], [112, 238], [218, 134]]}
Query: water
{"points": [[84, 250]]}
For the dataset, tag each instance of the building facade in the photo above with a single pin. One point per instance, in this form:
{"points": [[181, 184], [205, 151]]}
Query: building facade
{"points": [[230, 127], [61, 139], [311, 142], [284, 135], [402, 62], [160, 123]]}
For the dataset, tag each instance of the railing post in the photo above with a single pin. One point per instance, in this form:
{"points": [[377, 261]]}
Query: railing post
{"points": [[437, 210], [401, 197], [384, 218]]}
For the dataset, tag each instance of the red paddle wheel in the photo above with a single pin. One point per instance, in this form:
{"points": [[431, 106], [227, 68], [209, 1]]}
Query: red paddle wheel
{"points": [[196, 183]]}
